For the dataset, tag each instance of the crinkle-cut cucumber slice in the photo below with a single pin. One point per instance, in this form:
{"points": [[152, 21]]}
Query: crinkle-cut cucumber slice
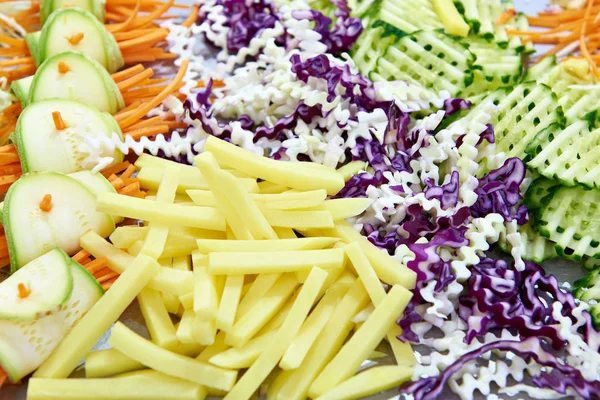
{"points": [[541, 70], [372, 43], [42, 147], [432, 59], [407, 15], [20, 89], [25, 345], [75, 29], [96, 7], [570, 155], [482, 16], [75, 76], [31, 231], [570, 218], [536, 192], [46, 282], [97, 183]]}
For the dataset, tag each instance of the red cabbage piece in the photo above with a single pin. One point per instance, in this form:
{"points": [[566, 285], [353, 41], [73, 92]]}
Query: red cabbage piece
{"points": [[247, 20], [452, 106], [562, 376], [499, 192], [447, 194], [487, 135], [357, 185]]}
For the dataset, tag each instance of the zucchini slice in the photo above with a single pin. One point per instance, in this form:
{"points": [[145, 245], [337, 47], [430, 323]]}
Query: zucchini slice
{"points": [[31, 231], [75, 76], [25, 345], [42, 147], [47, 284], [569, 217], [20, 89], [97, 183], [75, 29], [96, 7]]}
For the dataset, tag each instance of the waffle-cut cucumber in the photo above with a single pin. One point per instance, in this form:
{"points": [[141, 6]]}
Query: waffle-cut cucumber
{"points": [[431, 59], [536, 192], [372, 43], [482, 16], [570, 218], [571, 155], [407, 15], [521, 23], [541, 71]]}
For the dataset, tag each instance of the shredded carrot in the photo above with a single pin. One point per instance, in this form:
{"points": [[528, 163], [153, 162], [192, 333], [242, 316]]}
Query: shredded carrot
{"points": [[582, 40], [148, 131], [59, 123], [506, 16], [128, 83], [23, 291], [13, 42], [97, 265], [128, 172], [134, 187], [106, 285], [46, 203], [129, 20], [63, 68], [3, 376], [145, 108], [147, 40], [16, 61], [106, 277], [80, 255], [127, 73], [192, 17], [8, 158], [117, 183], [122, 166], [75, 39], [8, 179]]}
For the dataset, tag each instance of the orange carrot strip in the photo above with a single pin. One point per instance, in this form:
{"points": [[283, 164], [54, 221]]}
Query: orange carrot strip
{"points": [[506, 16], [128, 21], [146, 107], [152, 16], [582, 42], [97, 265], [12, 41], [8, 148], [134, 187], [146, 122], [4, 262], [8, 158], [11, 169], [16, 61], [106, 285], [148, 131], [192, 17], [114, 17], [128, 172], [147, 40], [75, 39], [121, 36], [59, 123], [46, 203], [9, 179], [116, 168], [129, 82], [127, 73], [80, 255], [107, 277], [117, 183]]}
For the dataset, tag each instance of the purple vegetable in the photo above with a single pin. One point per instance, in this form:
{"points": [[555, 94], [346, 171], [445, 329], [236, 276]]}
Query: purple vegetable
{"points": [[357, 185], [452, 106], [562, 377], [499, 192], [247, 20], [487, 135], [447, 194]]}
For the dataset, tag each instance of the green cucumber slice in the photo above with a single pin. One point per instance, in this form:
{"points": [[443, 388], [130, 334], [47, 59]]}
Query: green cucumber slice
{"points": [[97, 183], [100, 92], [20, 89], [24, 346], [537, 248], [537, 192], [97, 43], [432, 59], [96, 7], [42, 147], [408, 16], [31, 232], [33, 43], [541, 70], [372, 43], [569, 217], [49, 282]]}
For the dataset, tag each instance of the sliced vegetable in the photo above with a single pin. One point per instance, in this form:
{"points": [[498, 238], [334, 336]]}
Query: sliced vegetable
{"points": [[96, 7]]}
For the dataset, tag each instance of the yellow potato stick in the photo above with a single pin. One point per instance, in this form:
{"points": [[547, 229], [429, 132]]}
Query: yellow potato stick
{"points": [[243, 358], [348, 360], [204, 331], [311, 328], [217, 347], [229, 302], [156, 316], [299, 219], [281, 315], [345, 208], [290, 200], [372, 381], [351, 169], [168, 214], [295, 175], [302, 275], [259, 287], [136, 248], [388, 269], [125, 236], [167, 362], [206, 300], [104, 363], [147, 160], [244, 211], [86, 333], [171, 302], [224, 246], [294, 384], [183, 263], [184, 332], [204, 198], [266, 187], [173, 281], [273, 262], [285, 233], [247, 326], [376, 292], [180, 248], [187, 301], [190, 350], [268, 359], [147, 385]]}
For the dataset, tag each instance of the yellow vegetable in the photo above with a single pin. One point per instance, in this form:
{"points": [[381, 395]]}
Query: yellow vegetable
{"points": [[156, 316], [229, 302], [311, 328], [242, 214], [348, 360], [224, 246], [294, 384], [147, 160], [266, 187], [299, 219], [454, 23], [351, 169], [244, 357], [371, 381], [86, 333], [187, 301], [168, 214], [270, 262], [183, 263], [260, 286], [125, 236], [345, 208], [297, 175], [278, 201], [103, 363], [167, 362], [204, 331], [206, 299], [184, 332], [285, 233], [268, 359], [142, 385], [402, 351], [217, 347], [247, 326]]}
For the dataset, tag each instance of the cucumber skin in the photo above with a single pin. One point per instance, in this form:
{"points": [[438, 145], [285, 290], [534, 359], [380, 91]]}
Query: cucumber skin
{"points": [[96, 7], [80, 268]]}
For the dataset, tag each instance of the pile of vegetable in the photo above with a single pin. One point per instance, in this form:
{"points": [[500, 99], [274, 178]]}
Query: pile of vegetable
{"points": [[320, 181]]}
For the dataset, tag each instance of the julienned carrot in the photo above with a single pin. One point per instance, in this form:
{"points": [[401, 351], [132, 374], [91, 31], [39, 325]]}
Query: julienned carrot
{"points": [[128, 21], [148, 40], [130, 82], [134, 187], [115, 169], [147, 57], [146, 107], [582, 40], [148, 131], [192, 17], [8, 158], [80, 256], [106, 285], [106, 276], [127, 73], [97, 265]]}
